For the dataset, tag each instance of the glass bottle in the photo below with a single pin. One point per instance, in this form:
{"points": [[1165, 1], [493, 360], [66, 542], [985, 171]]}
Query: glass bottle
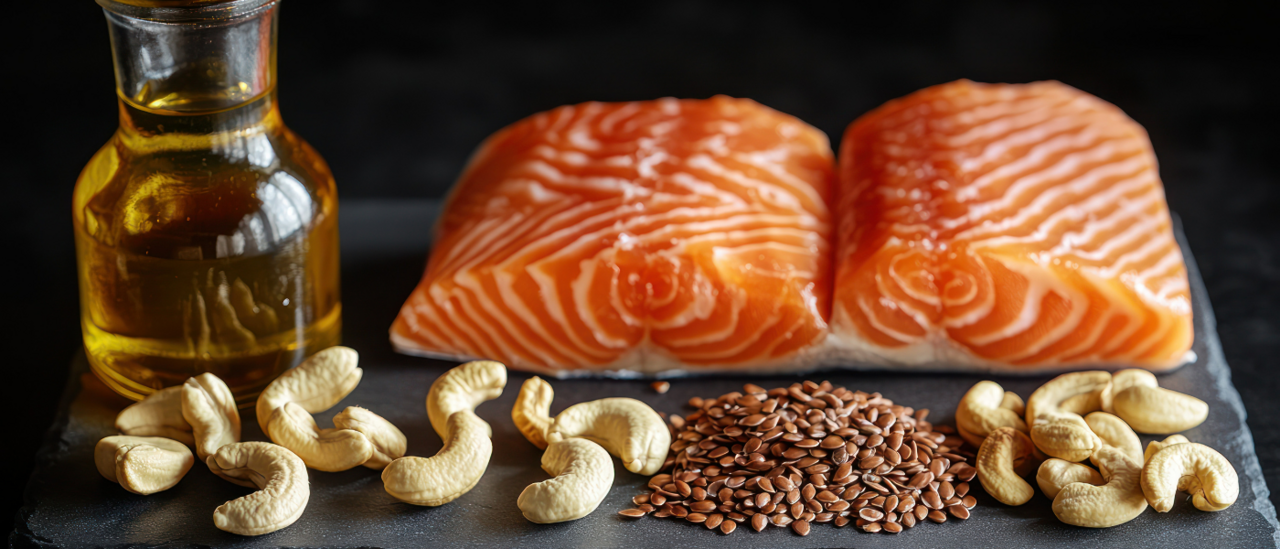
{"points": [[206, 231]]}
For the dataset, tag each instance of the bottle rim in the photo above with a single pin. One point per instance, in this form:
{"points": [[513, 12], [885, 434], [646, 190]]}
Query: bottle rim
{"points": [[179, 11]]}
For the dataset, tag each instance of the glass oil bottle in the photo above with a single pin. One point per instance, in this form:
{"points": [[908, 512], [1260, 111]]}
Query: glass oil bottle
{"points": [[206, 231]]}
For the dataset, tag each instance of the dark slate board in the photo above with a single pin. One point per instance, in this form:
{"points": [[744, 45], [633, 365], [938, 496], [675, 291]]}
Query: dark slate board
{"points": [[69, 505]]}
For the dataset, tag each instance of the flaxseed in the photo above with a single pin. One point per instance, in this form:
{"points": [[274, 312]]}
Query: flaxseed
{"points": [[809, 453]]}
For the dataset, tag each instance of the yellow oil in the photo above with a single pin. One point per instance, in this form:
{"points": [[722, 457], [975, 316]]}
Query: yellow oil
{"points": [[207, 241]]}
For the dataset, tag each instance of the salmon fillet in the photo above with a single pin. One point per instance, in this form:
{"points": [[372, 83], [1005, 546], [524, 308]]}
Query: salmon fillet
{"points": [[995, 226], [668, 235]]}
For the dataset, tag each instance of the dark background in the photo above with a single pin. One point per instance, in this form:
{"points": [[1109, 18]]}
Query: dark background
{"points": [[395, 94]]}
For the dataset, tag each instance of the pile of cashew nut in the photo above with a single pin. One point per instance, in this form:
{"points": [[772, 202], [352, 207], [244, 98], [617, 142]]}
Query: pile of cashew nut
{"points": [[1093, 416], [360, 437], [153, 455], [578, 442]]}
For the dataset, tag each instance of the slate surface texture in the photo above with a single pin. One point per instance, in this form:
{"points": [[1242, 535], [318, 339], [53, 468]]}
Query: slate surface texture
{"points": [[384, 245]]}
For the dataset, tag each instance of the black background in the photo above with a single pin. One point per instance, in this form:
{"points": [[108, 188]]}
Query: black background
{"points": [[395, 94]]}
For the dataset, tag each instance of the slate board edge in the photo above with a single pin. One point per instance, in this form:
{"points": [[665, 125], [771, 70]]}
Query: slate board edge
{"points": [[1226, 390]]}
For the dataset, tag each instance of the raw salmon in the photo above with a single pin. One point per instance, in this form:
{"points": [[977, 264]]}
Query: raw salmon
{"points": [[634, 237], [1005, 227]]}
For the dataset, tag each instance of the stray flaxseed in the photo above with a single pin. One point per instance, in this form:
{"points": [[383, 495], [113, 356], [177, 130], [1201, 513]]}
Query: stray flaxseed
{"points": [[809, 453], [661, 386]]}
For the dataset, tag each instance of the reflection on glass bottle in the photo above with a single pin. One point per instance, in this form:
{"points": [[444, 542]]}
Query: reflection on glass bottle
{"points": [[206, 230]]}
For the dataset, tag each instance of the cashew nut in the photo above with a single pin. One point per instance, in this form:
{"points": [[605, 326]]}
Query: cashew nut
{"points": [[1116, 433], [454, 471], [1193, 468], [388, 441], [1154, 446], [1158, 411], [1083, 403], [329, 450], [1051, 395], [532, 412], [316, 385], [281, 478], [983, 410], [626, 427], [995, 464], [1118, 501], [464, 388], [444, 477], [1122, 380], [1012, 401], [210, 408], [158, 415], [1055, 474], [583, 475], [142, 465], [1059, 432]]}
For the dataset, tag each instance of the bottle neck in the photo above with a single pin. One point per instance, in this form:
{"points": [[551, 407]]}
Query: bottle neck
{"points": [[196, 67]]}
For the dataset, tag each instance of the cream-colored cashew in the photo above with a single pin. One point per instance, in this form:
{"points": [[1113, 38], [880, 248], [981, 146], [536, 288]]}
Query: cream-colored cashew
{"points": [[1193, 468], [1118, 501], [583, 475], [1051, 395], [1122, 380], [458, 466], [281, 478], [328, 450], [995, 464], [532, 412], [1084, 403], [982, 411], [320, 382], [1156, 446], [1012, 401], [142, 465], [626, 427], [389, 442], [1158, 411], [464, 388], [158, 415], [210, 408], [444, 477], [1063, 433], [1116, 433], [1055, 474], [1023, 465]]}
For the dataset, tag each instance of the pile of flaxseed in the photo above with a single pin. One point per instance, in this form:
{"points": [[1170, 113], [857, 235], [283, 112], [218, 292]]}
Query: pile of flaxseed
{"points": [[809, 453]]}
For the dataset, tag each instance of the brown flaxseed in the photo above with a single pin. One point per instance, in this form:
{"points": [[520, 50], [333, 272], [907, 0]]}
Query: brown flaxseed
{"points": [[800, 527], [702, 506], [632, 513]]}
